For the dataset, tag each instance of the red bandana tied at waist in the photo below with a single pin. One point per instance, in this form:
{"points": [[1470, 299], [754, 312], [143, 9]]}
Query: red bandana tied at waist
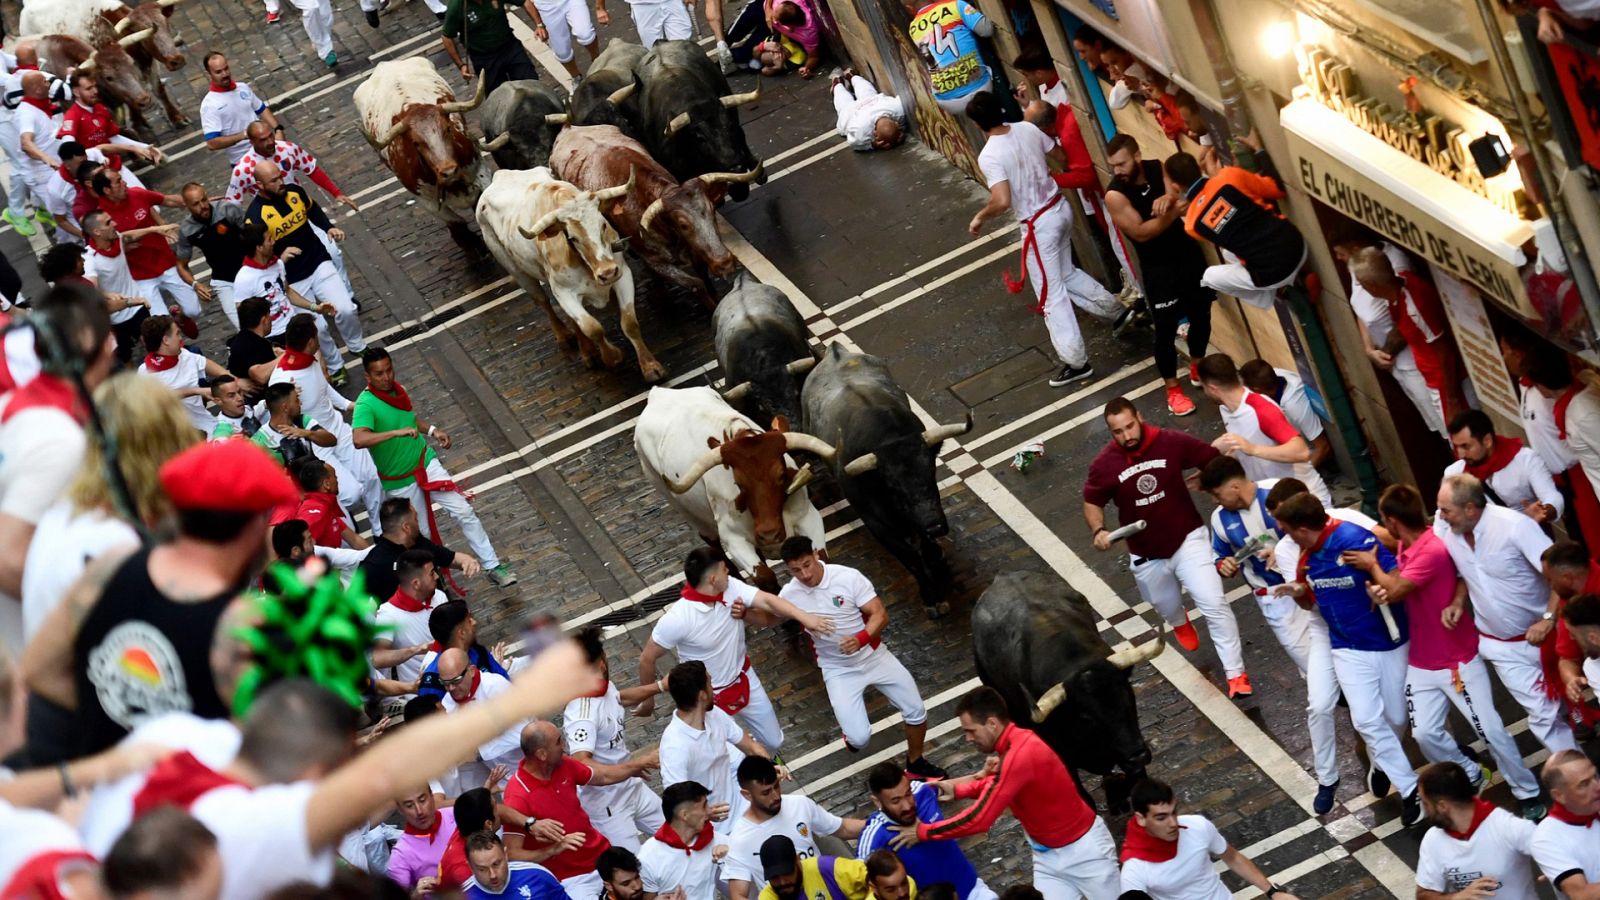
{"points": [[1481, 809], [179, 780], [1030, 244], [667, 836], [1505, 449], [294, 360], [1141, 844], [155, 362], [397, 398]]}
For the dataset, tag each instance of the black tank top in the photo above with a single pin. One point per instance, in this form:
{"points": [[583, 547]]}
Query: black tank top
{"points": [[140, 654], [1172, 258]]}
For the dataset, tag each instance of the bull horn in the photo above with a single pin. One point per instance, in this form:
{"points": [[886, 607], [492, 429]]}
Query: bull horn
{"points": [[678, 123], [938, 434], [136, 37], [735, 177], [796, 440], [123, 25], [704, 464], [650, 213], [164, 4], [611, 193], [737, 392], [621, 94], [732, 100], [86, 66], [555, 118], [496, 144], [456, 106], [861, 465], [800, 480], [540, 227], [388, 136], [1127, 659], [800, 366], [1048, 703]]}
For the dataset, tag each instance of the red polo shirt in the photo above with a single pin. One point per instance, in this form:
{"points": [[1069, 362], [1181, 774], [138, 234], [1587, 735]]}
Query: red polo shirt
{"points": [[153, 255], [557, 799], [321, 513], [91, 128]]}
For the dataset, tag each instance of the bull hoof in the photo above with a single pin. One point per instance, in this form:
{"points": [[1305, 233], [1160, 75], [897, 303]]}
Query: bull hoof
{"points": [[610, 356], [653, 372], [179, 121]]}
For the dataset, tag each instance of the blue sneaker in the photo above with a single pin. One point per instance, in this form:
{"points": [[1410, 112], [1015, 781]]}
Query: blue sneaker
{"points": [[1324, 802], [332, 59]]}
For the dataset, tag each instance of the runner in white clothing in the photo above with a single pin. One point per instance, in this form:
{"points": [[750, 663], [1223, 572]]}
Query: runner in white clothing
{"points": [[852, 658], [865, 118], [1566, 845], [1016, 162], [228, 108], [1172, 857], [1285, 388], [654, 20], [766, 813], [1475, 848], [1372, 317], [1256, 430], [707, 624], [262, 274], [1513, 475], [702, 743], [167, 361], [593, 726]]}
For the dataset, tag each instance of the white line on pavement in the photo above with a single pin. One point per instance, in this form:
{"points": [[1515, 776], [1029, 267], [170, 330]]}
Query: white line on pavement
{"points": [[931, 286], [928, 266], [989, 437], [1074, 422], [815, 157]]}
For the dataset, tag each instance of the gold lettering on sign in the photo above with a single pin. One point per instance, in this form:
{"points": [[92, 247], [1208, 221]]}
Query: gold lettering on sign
{"points": [[1424, 136]]}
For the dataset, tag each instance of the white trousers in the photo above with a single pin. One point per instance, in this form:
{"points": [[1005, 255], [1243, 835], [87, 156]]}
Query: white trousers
{"points": [[1087, 867], [1192, 569], [847, 100], [317, 17], [1517, 664], [1416, 389], [223, 292], [173, 286], [667, 20], [17, 188], [1431, 692], [459, 509], [847, 690], [1233, 279], [622, 812], [761, 719], [1067, 285], [566, 21], [1304, 636], [332, 246], [325, 286], [1374, 683]]}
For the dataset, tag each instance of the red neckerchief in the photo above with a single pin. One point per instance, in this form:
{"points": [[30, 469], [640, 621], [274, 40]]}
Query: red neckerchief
{"points": [[219, 89], [397, 397], [46, 391], [251, 262], [65, 175], [294, 360], [1562, 814], [22, 68], [1560, 410], [477, 679], [1304, 564], [667, 836], [1481, 809], [689, 593], [114, 252], [155, 362], [1147, 437], [435, 648], [1504, 449], [402, 600], [40, 104], [179, 780], [1141, 844], [433, 830], [40, 875]]}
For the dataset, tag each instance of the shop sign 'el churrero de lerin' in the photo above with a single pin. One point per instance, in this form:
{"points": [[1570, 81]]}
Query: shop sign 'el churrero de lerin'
{"points": [[1409, 175]]}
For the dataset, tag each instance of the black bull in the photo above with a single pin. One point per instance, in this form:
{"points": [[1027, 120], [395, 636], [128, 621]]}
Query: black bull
{"points": [[689, 115], [1036, 641], [520, 121]]}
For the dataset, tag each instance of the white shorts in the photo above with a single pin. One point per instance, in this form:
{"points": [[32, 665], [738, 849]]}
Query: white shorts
{"points": [[847, 688], [668, 20]]}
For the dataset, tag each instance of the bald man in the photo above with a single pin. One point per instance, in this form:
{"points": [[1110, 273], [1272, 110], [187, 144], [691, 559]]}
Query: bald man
{"points": [[290, 213], [37, 124], [17, 190], [298, 166], [544, 795]]}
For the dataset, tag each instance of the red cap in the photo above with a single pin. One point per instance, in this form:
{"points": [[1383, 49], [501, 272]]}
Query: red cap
{"points": [[234, 476]]}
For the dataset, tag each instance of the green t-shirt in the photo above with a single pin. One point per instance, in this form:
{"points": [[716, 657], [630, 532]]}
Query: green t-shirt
{"points": [[395, 458], [487, 25]]}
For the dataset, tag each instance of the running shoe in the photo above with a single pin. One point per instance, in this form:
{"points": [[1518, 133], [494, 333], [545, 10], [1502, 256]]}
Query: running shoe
{"points": [[272, 18], [1177, 403], [1325, 797], [1069, 374], [23, 224], [920, 769], [502, 575], [1194, 373], [1239, 686], [1377, 782], [43, 217], [1122, 321], [339, 377], [1534, 809], [1411, 809], [1186, 637], [332, 59], [1482, 778]]}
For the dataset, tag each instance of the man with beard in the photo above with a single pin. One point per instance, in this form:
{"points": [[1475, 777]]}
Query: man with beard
{"points": [[1142, 469], [1512, 474], [452, 626], [683, 854], [619, 872], [766, 813], [1477, 849], [213, 229], [901, 801], [789, 877]]}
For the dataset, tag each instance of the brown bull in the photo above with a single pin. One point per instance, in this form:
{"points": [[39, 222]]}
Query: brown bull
{"points": [[671, 226], [160, 46], [114, 70]]}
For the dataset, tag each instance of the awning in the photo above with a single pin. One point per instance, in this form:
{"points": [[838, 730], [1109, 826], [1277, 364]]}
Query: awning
{"points": [[1364, 178]]}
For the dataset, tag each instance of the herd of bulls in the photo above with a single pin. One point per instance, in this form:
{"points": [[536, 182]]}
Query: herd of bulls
{"points": [[121, 44]]}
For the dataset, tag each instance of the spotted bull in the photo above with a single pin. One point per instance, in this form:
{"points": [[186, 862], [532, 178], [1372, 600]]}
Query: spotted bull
{"points": [[735, 484], [547, 232], [672, 227], [520, 121], [1036, 641], [763, 351], [690, 117]]}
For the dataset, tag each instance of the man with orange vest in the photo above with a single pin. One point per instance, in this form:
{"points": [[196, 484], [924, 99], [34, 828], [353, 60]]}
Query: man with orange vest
{"points": [[1236, 210]]}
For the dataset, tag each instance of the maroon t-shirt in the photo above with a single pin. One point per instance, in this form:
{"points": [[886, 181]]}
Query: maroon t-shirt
{"points": [[1147, 484]]}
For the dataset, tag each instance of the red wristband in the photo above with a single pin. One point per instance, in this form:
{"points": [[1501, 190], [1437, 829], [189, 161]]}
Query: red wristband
{"points": [[865, 638]]}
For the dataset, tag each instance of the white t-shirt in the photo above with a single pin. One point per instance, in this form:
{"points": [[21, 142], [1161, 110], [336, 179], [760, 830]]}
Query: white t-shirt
{"points": [[26, 834], [1502, 569], [269, 283], [1189, 875], [41, 450], [213, 742], [410, 629], [1259, 420], [707, 632], [1500, 847], [692, 754], [230, 112], [663, 868], [318, 399], [63, 543], [1521, 481], [800, 819], [489, 687], [1373, 312], [594, 725], [1296, 404], [838, 597], [191, 367], [1560, 849], [32, 120], [110, 274], [1539, 423], [1018, 158]]}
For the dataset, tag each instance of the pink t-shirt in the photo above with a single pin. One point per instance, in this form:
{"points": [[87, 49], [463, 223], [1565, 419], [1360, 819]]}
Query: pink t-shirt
{"points": [[416, 856], [1426, 564]]}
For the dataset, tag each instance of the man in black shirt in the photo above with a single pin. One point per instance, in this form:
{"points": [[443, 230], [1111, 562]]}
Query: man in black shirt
{"points": [[400, 533], [1171, 263], [213, 228], [251, 355]]}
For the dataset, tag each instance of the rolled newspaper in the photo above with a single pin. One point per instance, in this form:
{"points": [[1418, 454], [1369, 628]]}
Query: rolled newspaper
{"points": [[1126, 531]]}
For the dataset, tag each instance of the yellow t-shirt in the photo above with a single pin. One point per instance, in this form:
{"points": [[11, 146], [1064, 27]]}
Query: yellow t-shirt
{"points": [[849, 874]]}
